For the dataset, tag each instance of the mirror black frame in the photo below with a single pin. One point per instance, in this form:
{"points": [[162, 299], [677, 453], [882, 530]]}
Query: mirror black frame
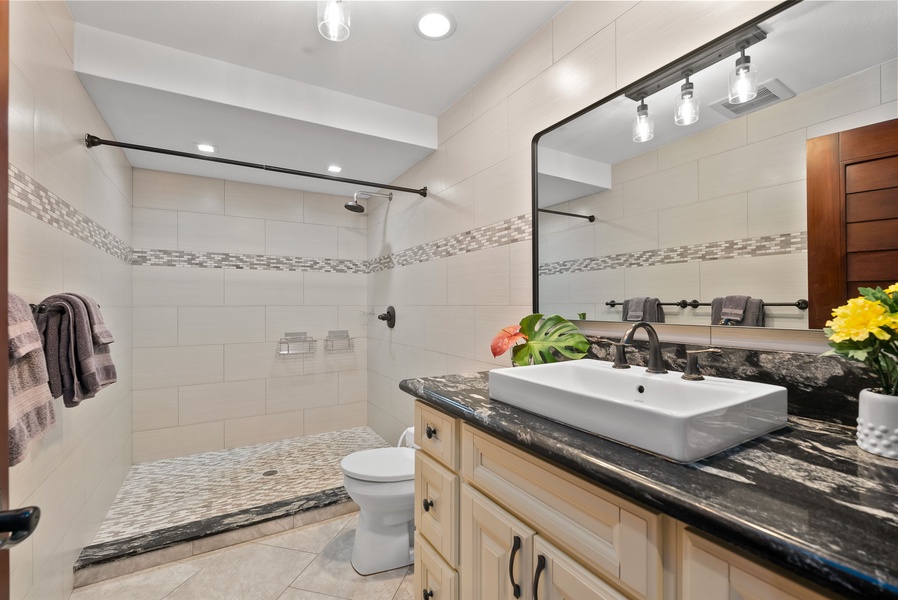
{"points": [[674, 67]]}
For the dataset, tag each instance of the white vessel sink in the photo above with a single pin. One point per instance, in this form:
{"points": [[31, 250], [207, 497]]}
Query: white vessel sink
{"points": [[661, 413]]}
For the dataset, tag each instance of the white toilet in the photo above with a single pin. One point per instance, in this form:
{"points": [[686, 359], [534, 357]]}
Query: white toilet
{"points": [[382, 483]]}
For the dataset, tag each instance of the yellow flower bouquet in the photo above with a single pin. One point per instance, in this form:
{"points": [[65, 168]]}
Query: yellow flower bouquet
{"points": [[866, 329]]}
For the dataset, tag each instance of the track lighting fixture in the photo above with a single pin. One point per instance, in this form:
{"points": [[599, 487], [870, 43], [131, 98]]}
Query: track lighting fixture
{"points": [[686, 112], [743, 79], [333, 19], [643, 123]]}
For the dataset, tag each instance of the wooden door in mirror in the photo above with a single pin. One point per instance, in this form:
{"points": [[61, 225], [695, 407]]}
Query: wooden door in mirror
{"points": [[852, 215]]}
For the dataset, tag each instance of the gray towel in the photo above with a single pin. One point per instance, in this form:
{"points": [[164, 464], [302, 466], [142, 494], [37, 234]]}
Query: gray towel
{"points": [[733, 308], [78, 367], [633, 308], [752, 316], [641, 308], [31, 412], [99, 332]]}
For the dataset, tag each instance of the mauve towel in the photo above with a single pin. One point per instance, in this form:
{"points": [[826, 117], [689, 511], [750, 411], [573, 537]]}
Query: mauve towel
{"points": [[31, 411]]}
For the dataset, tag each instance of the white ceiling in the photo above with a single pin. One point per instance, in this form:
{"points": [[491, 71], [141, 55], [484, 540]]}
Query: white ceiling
{"points": [[258, 80]]}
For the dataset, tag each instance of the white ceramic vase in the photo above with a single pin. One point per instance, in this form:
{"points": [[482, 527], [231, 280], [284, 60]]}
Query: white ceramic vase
{"points": [[877, 423]]}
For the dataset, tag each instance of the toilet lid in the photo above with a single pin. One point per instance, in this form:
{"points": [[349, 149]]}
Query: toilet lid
{"points": [[380, 464]]}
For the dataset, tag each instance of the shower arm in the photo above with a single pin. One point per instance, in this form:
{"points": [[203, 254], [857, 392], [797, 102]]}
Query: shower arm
{"points": [[92, 141]]}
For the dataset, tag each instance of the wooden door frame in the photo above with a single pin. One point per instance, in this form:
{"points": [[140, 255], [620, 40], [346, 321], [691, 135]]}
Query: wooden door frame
{"points": [[4, 283]]}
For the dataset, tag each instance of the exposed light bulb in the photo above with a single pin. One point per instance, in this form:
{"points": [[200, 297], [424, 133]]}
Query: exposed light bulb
{"points": [[686, 111], [743, 80], [643, 124], [333, 19]]}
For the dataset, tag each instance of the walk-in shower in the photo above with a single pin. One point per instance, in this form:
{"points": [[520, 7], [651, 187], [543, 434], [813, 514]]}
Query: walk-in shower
{"points": [[354, 205]]}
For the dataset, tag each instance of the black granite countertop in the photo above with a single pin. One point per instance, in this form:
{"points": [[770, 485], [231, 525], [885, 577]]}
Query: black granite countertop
{"points": [[805, 498]]}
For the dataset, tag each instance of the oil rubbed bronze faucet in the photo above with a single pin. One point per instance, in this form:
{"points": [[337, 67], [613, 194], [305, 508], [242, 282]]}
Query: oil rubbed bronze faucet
{"points": [[656, 362]]}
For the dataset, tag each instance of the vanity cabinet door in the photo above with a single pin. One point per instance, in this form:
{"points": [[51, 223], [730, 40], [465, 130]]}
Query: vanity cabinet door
{"points": [[434, 579], [495, 550], [708, 571], [436, 506], [558, 577]]}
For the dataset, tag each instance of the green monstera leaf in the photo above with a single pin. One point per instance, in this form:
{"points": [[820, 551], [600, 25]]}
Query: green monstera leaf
{"points": [[545, 335]]}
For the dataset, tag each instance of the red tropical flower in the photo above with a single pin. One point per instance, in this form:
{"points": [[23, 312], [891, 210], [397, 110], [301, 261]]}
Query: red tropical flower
{"points": [[506, 338]]}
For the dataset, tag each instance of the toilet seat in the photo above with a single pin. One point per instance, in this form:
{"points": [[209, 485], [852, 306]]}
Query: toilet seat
{"points": [[380, 465]]}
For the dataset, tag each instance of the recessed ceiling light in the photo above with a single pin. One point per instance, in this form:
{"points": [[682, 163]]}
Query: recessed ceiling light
{"points": [[435, 25], [334, 169], [206, 148]]}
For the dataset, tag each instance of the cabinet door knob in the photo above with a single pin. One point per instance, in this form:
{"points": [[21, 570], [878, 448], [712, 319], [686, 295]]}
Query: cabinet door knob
{"points": [[427, 594], [516, 589], [430, 432], [427, 504], [540, 567]]}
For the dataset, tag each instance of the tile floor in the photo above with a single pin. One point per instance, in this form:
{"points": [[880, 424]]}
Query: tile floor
{"points": [[310, 563], [176, 491]]}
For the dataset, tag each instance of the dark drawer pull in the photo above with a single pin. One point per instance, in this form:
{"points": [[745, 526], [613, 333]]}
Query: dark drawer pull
{"points": [[540, 567], [430, 432], [427, 504], [428, 594], [514, 550]]}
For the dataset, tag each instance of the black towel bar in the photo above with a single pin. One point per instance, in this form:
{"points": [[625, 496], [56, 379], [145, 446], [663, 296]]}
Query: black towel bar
{"points": [[801, 304]]}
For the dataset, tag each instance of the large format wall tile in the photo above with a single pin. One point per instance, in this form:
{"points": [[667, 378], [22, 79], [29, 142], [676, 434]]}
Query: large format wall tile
{"points": [[216, 233], [170, 286], [173, 191], [262, 202], [579, 21], [220, 401], [478, 146]]}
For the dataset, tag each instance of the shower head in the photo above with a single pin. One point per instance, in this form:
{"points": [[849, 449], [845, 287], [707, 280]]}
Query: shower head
{"points": [[354, 205]]}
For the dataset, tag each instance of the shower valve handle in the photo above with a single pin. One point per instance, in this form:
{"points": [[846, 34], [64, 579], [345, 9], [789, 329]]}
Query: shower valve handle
{"points": [[389, 317]]}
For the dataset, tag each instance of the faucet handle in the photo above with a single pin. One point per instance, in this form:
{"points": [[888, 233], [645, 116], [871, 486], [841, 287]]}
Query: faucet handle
{"points": [[620, 353], [692, 372]]}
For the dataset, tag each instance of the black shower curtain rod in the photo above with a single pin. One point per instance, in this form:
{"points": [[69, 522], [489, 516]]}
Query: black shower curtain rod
{"points": [[92, 141], [589, 218]]}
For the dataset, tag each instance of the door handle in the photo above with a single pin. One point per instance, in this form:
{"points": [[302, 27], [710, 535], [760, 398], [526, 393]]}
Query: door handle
{"points": [[516, 589], [19, 524], [540, 567]]}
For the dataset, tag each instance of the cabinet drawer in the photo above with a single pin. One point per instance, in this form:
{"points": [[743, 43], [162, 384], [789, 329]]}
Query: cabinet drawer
{"points": [[617, 539], [709, 571], [437, 488], [436, 434], [432, 574]]}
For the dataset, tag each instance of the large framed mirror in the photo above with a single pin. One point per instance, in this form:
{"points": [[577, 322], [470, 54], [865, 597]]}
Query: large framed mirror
{"points": [[718, 207]]}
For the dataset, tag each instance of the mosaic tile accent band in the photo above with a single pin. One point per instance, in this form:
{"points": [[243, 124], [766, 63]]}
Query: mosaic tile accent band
{"points": [[509, 231], [768, 245], [34, 199], [253, 262]]}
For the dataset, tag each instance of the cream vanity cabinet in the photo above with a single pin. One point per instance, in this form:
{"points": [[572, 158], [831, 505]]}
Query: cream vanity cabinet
{"points": [[496, 523]]}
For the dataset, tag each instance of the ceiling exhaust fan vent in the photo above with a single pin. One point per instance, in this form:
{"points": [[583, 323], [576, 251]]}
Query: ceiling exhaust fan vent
{"points": [[769, 93]]}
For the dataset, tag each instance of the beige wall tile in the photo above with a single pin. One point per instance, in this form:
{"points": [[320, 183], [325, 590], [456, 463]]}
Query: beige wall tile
{"points": [[352, 243], [115, 282], [159, 444], [479, 278], [678, 281], [850, 94], [380, 390], [448, 213], [665, 189], [889, 80], [155, 409], [387, 359], [63, 26], [770, 162], [709, 221], [579, 21], [385, 425], [155, 228], [634, 168], [314, 320], [388, 287], [220, 325], [81, 268], [177, 286], [862, 118], [478, 146], [605, 206], [61, 162], [244, 287], [173, 191], [299, 239], [428, 282], [155, 326], [579, 242], [284, 394], [430, 172], [455, 118], [263, 429], [554, 289], [598, 287], [260, 361], [21, 121], [216, 233], [425, 363], [106, 205], [168, 367], [525, 63], [35, 270], [503, 191], [778, 209], [520, 272], [353, 387], [262, 202], [220, 401], [327, 209], [779, 278], [718, 139], [583, 76], [652, 34], [335, 418], [629, 234]]}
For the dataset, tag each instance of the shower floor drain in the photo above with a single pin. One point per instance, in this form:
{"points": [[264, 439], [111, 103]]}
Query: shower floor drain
{"points": [[270, 473]]}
